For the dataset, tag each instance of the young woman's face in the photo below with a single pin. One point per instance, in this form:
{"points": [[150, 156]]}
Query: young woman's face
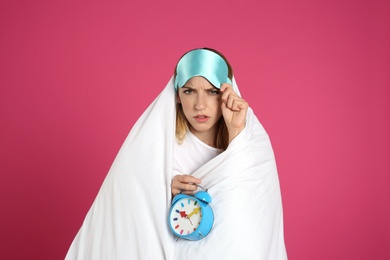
{"points": [[201, 104]]}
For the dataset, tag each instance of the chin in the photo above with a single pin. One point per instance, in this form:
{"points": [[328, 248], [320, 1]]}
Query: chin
{"points": [[201, 128]]}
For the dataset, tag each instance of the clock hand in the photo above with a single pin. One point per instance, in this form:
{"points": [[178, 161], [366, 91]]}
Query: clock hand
{"points": [[189, 220], [183, 214], [195, 211]]}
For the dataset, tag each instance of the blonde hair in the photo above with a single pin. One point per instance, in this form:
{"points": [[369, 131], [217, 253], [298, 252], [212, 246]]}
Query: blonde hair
{"points": [[182, 125]]}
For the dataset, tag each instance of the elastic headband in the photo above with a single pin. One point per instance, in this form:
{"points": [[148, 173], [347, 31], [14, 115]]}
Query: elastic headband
{"points": [[203, 63]]}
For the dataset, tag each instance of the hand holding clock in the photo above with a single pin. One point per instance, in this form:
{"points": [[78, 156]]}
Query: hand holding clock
{"points": [[185, 184]]}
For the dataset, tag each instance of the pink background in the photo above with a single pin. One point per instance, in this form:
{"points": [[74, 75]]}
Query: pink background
{"points": [[75, 75]]}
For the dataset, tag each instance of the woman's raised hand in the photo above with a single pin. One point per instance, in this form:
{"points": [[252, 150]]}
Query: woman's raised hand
{"points": [[234, 110], [185, 184]]}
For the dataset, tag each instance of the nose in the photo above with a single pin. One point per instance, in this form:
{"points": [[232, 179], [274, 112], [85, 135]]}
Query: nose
{"points": [[200, 102]]}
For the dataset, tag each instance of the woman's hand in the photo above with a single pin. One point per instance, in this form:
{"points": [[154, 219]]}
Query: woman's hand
{"points": [[185, 184], [234, 110]]}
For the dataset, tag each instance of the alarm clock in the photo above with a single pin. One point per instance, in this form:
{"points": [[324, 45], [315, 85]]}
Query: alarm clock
{"points": [[191, 217]]}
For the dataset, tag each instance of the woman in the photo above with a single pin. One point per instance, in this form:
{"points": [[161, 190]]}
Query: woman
{"points": [[211, 112], [220, 144]]}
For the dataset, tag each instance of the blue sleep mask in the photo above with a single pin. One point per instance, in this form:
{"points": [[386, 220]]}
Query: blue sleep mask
{"points": [[204, 63]]}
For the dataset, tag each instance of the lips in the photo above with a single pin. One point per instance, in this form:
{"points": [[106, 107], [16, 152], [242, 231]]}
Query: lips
{"points": [[201, 118]]}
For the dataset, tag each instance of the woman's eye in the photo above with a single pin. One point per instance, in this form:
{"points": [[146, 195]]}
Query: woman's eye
{"points": [[187, 91], [214, 92]]}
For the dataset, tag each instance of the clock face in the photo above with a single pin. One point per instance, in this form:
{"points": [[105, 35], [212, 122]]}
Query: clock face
{"points": [[186, 216]]}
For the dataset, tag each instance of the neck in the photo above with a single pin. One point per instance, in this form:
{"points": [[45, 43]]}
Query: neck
{"points": [[207, 137]]}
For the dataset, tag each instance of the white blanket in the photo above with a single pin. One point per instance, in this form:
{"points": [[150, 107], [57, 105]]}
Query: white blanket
{"points": [[128, 219]]}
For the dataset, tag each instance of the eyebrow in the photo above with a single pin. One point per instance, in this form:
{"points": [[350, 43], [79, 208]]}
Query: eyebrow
{"points": [[212, 88]]}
